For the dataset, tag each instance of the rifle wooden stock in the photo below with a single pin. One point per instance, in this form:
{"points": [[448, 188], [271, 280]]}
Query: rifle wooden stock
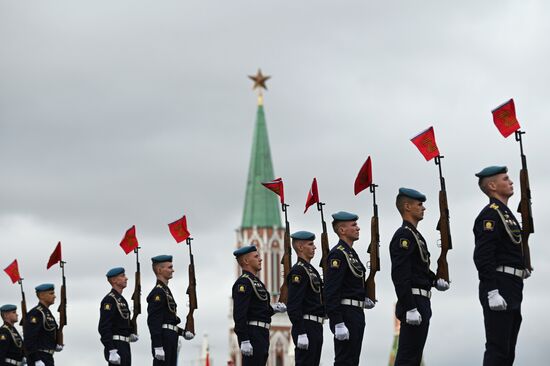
{"points": [[23, 309], [526, 214], [374, 258], [136, 299], [62, 309], [445, 233], [325, 249], [285, 261], [192, 293]]}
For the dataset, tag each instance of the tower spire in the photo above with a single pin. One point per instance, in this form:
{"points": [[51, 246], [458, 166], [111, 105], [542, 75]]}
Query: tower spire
{"points": [[260, 207]]}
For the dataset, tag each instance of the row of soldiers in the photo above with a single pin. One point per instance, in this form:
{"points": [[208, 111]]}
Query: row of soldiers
{"points": [[342, 296], [115, 327]]}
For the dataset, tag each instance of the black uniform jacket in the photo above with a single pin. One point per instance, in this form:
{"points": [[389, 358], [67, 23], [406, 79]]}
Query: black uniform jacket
{"points": [[39, 331], [345, 280], [305, 294], [161, 309], [11, 344], [114, 318], [250, 302], [498, 243], [410, 266]]}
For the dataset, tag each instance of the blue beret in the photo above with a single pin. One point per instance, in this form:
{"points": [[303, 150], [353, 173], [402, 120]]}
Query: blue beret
{"points": [[303, 235], [8, 307], [115, 272], [344, 216], [162, 258], [412, 193], [244, 250], [44, 287], [491, 170]]}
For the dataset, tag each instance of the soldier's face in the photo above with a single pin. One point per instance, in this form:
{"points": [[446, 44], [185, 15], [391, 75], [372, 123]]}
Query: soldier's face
{"points": [[503, 185], [350, 230], [166, 270], [255, 261], [417, 210], [47, 297], [10, 317], [120, 281], [308, 249]]}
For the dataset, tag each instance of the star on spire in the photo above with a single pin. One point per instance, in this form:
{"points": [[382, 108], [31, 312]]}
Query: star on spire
{"points": [[259, 81]]}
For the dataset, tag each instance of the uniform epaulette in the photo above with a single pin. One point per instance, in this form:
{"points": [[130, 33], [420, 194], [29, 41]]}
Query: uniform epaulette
{"points": [[245, 275], [341, 247], [494, 206]]}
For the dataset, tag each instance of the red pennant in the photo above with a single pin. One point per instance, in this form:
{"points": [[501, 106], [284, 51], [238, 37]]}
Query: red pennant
{"points": [[505, 119], [13, 271], [312, 195], [55, 257], [425, 142], [129, 242], [178, 229], [364, 177], [276, 186]]}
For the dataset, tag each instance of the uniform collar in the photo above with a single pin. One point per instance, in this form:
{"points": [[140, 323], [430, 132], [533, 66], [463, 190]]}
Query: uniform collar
{"points": [[303, 260], [410, 225], [496, 201]]}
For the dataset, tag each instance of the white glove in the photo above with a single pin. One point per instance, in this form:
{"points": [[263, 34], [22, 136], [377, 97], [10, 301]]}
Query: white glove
{"points": [[369, 304], [303, 342], [133, 338], [341, 332], [114, 357], [279, 307], [24, 361], [246, 348], [442, 285], [159, 353], [58, 347], [188, 335], [413, 317], [39, 363], [527, 274], [496, 302]]}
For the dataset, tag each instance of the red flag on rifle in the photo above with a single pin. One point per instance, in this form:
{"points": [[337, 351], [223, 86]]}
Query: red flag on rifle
{"points": [[425, 142], [276, 186], [364, 178], [178, 229], [55, 257], [129, 242], [312, 195], [13, 271], [505, 119]]}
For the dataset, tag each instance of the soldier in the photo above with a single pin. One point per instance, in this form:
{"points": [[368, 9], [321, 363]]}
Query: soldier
{"points": [[40, 329], [412, 278], [251, 308], [345, 291], [499, 261], [11, 343], [114, 321], [305, 302], [162, 316]]}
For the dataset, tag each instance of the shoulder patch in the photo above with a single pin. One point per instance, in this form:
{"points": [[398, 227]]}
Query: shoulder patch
{"points": [[335, 263], [488, 225], [107, 306], [2, 337], [404, 243], [33, 319], [157, 298], [242, 288], [494, 206], [296, 279]]}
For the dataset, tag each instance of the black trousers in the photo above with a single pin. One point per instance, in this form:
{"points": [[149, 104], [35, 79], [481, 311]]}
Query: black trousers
{"points": [[124, 352], [501, 334], [170, 346], [259, 338], [348, 352], [412, 338], [44, 357], [311, 356]]}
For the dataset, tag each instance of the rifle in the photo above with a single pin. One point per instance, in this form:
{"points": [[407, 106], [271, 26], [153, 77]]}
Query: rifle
{"points": [[191, 292], [286, 260], [23, 304], [525, 205], [324, 242], [443, 226], [136, 296], [62, 309], [374, 248]]}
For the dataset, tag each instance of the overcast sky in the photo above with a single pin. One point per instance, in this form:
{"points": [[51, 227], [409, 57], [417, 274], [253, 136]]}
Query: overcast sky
{"points": [[115, 114]]}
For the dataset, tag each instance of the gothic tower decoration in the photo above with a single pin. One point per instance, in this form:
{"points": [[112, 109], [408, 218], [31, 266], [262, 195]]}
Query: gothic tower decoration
{"points": [[261, 226]]}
